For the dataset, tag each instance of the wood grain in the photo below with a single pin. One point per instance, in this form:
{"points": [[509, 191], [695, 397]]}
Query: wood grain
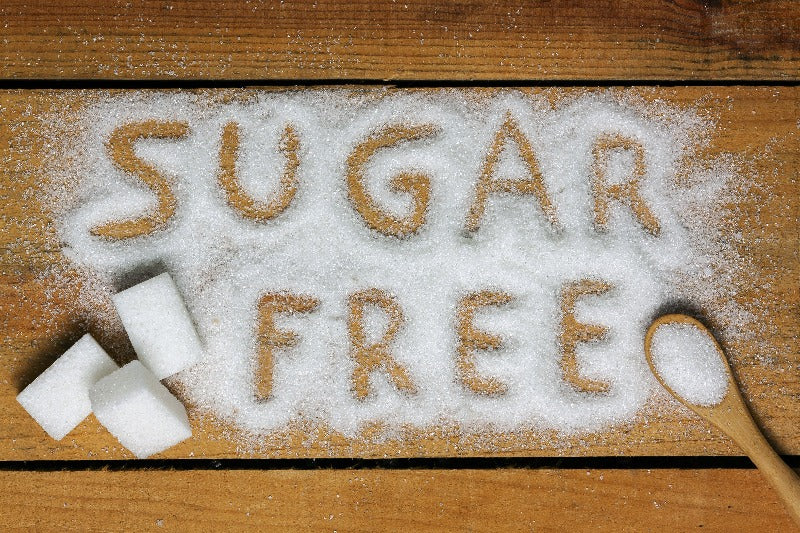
{"points": [[41, 316], [391, 500], [404, 40]]}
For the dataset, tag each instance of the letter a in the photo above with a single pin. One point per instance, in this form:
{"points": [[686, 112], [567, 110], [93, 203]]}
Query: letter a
{"points": [[488, 184]]}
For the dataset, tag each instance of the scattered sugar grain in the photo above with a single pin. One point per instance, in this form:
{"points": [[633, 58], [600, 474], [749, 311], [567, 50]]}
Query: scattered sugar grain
{"points": [[139, 411], [688, 361], [58, 399], [320, 246]]}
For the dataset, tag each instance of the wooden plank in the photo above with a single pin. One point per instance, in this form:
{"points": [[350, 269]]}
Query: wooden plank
{"points": [[388, 500], [408, 40], [41, 318]]}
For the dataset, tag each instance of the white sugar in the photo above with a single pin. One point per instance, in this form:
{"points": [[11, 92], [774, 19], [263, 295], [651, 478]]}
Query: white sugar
{"points": [[320, 246], [59, 398], [159, 326], [139, 411], [687, 360]]}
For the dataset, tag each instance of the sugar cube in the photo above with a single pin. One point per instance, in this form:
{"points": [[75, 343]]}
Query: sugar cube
{"points": [[59, 398], [139, 411], [159, 326]]}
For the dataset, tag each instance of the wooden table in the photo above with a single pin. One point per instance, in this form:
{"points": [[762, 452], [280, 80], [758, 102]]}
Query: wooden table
{"points": [[741, 58]]}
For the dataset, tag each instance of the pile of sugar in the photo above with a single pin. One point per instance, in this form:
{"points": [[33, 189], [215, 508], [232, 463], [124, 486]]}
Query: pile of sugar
{"points": [[688, 361], [320, 246]]}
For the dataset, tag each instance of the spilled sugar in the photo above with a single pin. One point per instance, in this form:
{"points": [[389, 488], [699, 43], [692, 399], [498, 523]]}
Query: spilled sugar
{"points": [[320, 246], [687, 360]]}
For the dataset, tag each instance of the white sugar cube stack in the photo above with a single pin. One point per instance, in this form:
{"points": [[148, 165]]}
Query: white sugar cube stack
{"points": [[59, 398], [139, 411], [159, 326], [129, 401]]}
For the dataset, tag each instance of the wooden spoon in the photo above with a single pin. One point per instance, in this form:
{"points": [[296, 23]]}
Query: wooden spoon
{"points": [[733, 418]]}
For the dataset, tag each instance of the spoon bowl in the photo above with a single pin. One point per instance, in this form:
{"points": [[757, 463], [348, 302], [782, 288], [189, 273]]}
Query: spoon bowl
{"points": [[731, 416]]}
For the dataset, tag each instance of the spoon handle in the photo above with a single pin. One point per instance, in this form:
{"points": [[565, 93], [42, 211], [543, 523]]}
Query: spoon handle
{"points": [[783, 479], [735, 419]]}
